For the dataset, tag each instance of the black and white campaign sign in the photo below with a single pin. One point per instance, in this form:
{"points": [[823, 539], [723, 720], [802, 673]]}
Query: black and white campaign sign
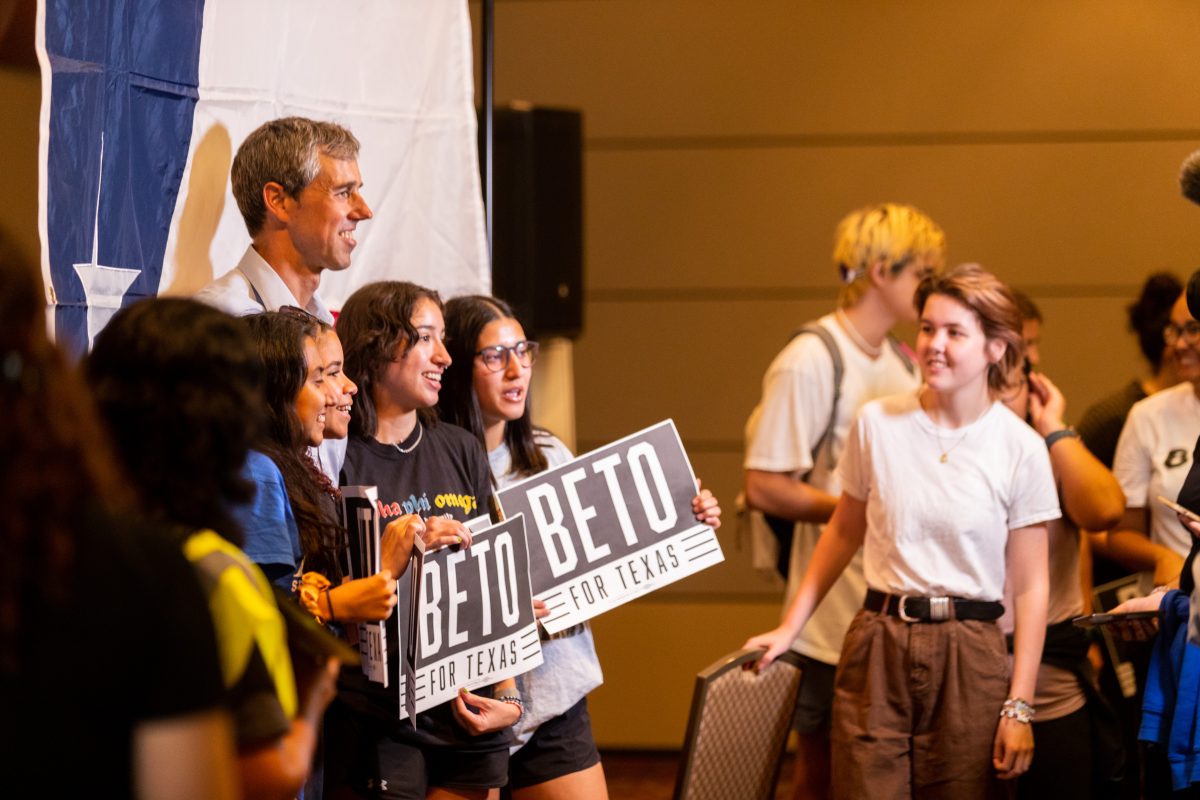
{"points": [[472, 620], [361, 512], [612, 525]]}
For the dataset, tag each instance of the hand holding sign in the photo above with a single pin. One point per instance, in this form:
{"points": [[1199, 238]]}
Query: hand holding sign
{"points": [[480, 715], [395, 543], [708, 511], [369, 599], [445, 532]]}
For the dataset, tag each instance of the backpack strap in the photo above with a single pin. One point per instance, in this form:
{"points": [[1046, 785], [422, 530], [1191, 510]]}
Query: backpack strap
{"points": [[839, 370]]}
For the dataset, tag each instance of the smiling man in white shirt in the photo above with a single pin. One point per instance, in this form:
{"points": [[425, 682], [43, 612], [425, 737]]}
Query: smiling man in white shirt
{"points": [[297, 184]]}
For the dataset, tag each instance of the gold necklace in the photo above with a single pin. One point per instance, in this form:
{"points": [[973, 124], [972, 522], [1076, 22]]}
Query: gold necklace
{"points": [[945, 456]]}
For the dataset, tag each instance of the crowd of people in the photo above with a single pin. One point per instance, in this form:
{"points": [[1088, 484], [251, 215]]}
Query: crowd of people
{"points": [[944, 486], [938, 524], [192, 468]]}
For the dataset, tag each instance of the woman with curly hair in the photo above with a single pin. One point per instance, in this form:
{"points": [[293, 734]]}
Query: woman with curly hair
{"points": [[180, 385]]}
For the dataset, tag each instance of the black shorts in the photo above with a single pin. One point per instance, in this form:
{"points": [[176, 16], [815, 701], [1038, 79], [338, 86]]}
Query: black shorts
{"points": [[364, 759], [814, 702], [558, 747]]}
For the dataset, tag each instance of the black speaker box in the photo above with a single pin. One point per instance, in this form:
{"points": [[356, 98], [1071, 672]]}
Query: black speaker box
{"points": [[537, 217]]}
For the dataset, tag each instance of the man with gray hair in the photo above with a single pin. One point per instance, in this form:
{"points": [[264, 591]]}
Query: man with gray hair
{"points": [[296, 182]]}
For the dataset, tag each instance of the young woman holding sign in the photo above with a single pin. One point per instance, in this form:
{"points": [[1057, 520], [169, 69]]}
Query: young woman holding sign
{"points": [[393, 337], [949, 493], [488, 394], [292, 528]]}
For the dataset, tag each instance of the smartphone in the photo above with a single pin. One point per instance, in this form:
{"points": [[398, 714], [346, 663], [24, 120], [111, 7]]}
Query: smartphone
{"points": [[1092, 620], [1178, 509]]}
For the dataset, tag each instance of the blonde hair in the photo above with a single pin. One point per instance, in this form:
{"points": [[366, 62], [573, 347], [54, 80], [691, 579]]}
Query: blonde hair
{"points": [[894, 233], [996, 309]]}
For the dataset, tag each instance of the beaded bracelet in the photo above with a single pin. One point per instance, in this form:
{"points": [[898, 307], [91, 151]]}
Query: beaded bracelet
{"points": [[1018, 709], [514, 699]]}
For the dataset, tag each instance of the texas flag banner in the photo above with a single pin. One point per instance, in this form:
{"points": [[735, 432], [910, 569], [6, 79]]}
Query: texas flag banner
{"points": [[146, 101]]}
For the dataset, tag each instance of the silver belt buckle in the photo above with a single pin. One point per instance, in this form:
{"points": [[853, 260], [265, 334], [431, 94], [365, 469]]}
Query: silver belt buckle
{"points": [[904, 614], [939, 608]]}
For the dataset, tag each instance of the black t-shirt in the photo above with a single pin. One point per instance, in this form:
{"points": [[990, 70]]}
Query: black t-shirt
{"points": [[445, 474], [132, 643]]}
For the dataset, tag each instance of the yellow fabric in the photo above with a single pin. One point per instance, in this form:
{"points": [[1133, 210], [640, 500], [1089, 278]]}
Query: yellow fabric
{"points": [[244, 615]]}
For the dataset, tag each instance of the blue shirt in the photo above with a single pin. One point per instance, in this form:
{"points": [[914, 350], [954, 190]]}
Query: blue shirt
{"points": [[272, 536]]}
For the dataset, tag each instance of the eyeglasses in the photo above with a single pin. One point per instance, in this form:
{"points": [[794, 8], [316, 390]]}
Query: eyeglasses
{"points": [[1190, 331], [495, 358]]}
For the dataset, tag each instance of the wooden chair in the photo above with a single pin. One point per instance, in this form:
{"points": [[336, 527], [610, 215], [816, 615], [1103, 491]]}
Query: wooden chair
{"points": [[738, 728]]}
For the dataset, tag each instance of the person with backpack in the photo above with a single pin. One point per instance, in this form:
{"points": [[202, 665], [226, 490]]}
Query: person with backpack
{"points": [[811, 392]]}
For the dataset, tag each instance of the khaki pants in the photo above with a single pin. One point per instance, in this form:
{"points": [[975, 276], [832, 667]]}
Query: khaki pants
{"points": [[915, 709]]}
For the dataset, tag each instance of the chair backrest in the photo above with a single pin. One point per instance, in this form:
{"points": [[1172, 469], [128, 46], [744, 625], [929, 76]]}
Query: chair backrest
{"points": [[738, 728]]}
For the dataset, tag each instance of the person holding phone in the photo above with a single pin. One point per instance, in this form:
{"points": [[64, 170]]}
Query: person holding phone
{"points": [[949, 494]]}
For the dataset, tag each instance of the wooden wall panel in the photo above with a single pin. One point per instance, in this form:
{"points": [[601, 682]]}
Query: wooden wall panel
{"points": [[684, 68]]}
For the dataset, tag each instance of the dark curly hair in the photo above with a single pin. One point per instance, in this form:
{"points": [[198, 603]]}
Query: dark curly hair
{"points": [[280, 339], [466, 317], [1149, 314], [374, 323], [180, 386], [60, 464]]}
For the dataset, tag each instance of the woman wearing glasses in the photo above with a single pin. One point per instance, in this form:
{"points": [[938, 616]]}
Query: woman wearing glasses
{"points": [[1153, 456], [488, 394]]}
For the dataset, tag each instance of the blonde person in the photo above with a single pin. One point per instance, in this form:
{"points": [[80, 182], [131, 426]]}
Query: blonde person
{"points": [[949, 493], [794, 436]]}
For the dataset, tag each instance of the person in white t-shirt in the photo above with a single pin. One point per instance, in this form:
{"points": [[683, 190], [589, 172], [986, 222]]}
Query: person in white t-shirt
{"points": [[882, 253], [948, 493], [1154, 454]]}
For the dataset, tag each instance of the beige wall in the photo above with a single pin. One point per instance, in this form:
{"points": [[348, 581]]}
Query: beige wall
{"points": [[20, 98], [723, 142]]}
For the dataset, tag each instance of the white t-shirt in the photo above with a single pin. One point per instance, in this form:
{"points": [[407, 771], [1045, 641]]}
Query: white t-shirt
{"points": [[1154, 455], [780, 434], [938, 528]]}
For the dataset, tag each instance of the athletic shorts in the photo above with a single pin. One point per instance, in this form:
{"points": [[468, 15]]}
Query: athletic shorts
{"points": [[558, 747], [362, 759], [814, 701]]}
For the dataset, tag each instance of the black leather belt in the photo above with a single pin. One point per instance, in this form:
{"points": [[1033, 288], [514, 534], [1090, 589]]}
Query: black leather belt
{"points": [[914, 608]]}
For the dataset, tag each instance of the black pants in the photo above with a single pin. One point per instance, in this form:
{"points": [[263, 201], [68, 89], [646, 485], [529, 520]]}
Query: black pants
{"points": [[1062, 760]]}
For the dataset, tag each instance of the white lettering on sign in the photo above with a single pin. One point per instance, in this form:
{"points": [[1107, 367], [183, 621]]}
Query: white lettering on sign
{"points": [[548, 518], [480, 550], [506, 574], [431, 615], [503, 563], [608, 467], [643, 454], [652, 490], [455, 597], [582, 515]]}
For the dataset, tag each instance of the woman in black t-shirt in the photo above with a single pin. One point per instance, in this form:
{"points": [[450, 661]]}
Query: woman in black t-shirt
{"points": [[392, 336]]}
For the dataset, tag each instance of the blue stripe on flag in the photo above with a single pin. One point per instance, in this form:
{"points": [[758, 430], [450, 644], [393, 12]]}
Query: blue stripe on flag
{"points": [[125, 73]]}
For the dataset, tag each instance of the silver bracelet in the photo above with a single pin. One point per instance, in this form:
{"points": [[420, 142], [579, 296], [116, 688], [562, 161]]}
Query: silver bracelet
{"points": [[1018, 709], [513, 699]]}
